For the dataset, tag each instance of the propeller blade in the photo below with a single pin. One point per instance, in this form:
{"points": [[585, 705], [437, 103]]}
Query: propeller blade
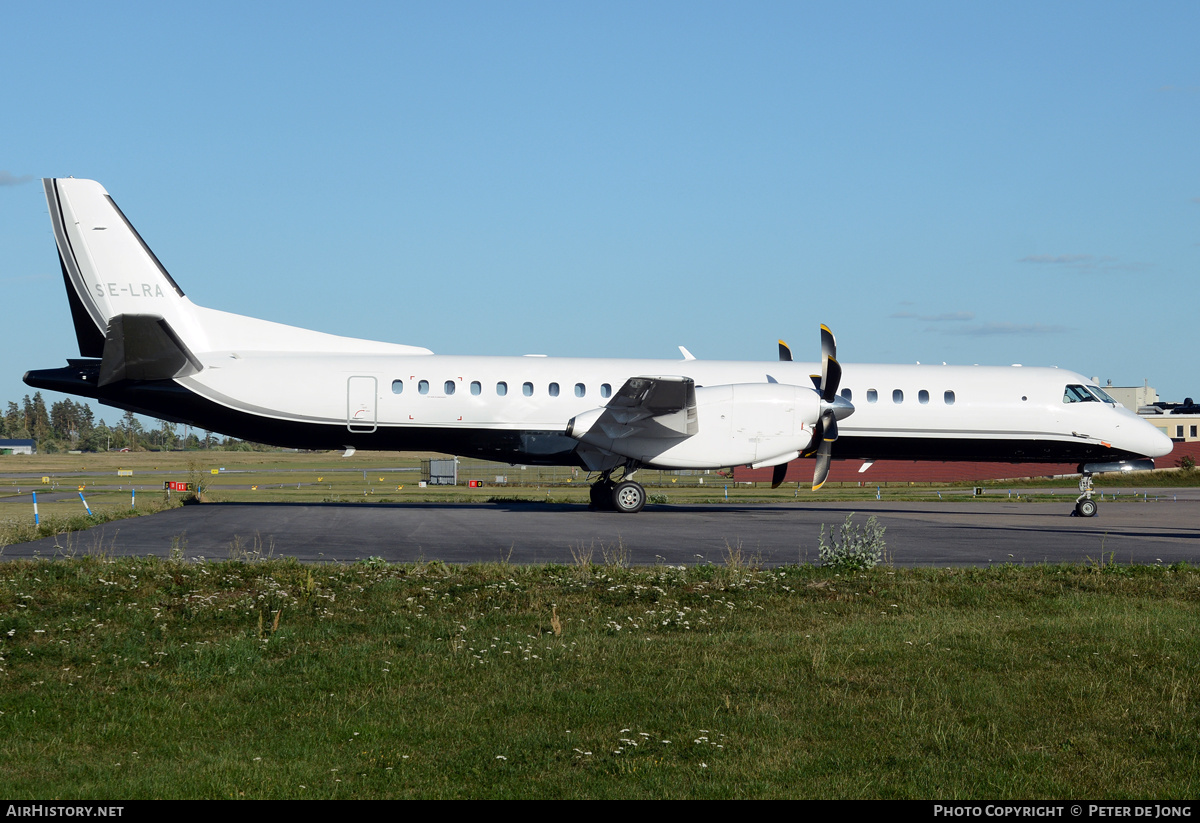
{"points": [[818, 436], [824, 458], [831, 377], [828, 343], [778, 474], [785, 353], [827, 428], [831, 433]]}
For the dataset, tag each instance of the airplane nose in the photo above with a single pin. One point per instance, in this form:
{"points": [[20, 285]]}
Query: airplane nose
{"points": [[1157, 442], [1143, 437]]}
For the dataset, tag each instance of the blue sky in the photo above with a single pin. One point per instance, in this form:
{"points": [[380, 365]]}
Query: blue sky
{"points": [[963, 182]]}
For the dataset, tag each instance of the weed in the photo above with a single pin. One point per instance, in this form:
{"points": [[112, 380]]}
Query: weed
{"points": [[309, 587], [854, 547], [438, 567], [583, 556], [738, 560], [1106, 563], [615, 556], [255, 552], [178, 547], [67, 551], [98, 549]]}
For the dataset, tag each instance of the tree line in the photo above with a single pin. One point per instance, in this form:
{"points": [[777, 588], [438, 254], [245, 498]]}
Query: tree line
{"points": [[70, 426]]}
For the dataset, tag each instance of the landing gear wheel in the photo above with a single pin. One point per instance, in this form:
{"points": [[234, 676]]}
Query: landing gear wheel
{"points": [[629, 497], [1086, 508], [600, 496]]}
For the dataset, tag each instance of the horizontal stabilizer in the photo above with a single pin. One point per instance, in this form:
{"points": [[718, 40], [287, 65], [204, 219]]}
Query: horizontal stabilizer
{"points": [[144, 347]]}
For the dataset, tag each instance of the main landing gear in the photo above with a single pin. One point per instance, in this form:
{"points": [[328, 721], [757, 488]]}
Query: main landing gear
{"points": [[609, 495]]}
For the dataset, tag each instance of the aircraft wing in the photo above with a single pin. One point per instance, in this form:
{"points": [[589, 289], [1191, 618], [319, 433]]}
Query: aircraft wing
{"points": [[650, 407]]}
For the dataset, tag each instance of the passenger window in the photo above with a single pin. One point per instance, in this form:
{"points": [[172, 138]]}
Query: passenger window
{"points": [[849, 395], [897, 396], [501, 388], [423, 387], [397, 386], [476, 387], [872, 395], [527, 389], [554, 390], [580, 390], [448, 387], [923, 397], [605, 390], [949, 398]]}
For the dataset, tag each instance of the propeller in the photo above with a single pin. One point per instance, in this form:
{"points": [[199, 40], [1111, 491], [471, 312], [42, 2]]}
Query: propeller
{"points": [[833, 408]]}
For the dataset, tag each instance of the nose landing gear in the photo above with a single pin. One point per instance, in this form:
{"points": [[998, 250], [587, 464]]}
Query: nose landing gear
{"points": [[1085, 506]]}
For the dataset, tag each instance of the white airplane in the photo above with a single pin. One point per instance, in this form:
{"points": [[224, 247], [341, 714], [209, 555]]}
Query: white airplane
{"points": [[147, 348]]}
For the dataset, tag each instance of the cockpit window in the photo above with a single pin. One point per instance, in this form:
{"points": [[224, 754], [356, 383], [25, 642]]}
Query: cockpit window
{"points": [[1101, 394], [1078, 394]]}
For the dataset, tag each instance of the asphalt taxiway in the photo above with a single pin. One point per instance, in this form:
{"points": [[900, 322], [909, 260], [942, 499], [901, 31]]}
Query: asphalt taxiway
{"points": [[917, 534]]}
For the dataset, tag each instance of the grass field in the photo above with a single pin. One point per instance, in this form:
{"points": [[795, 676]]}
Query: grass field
{"points": [[128, 678]]}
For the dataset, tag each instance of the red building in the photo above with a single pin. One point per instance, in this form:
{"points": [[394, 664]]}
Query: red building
{"points": [[926, 471]]}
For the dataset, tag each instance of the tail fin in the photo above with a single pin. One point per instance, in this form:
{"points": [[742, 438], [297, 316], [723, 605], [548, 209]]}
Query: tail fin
{"points": [[130, 312], [109, 270]]}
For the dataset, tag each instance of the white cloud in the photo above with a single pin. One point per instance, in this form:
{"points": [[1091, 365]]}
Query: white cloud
{"points": [[1083, 262], [1005, 328], [7, 178], [953, 316]]}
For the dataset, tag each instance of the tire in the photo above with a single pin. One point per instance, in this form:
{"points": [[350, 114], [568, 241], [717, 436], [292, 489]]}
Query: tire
{"points": [[1086, 508], [628, 497], [600, 496]]}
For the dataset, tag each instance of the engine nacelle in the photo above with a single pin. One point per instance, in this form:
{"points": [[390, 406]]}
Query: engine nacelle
{"points": [[741, 424]]}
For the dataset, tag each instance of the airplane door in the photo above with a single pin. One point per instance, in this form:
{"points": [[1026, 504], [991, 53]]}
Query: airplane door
{"points": [[360, 405]]}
